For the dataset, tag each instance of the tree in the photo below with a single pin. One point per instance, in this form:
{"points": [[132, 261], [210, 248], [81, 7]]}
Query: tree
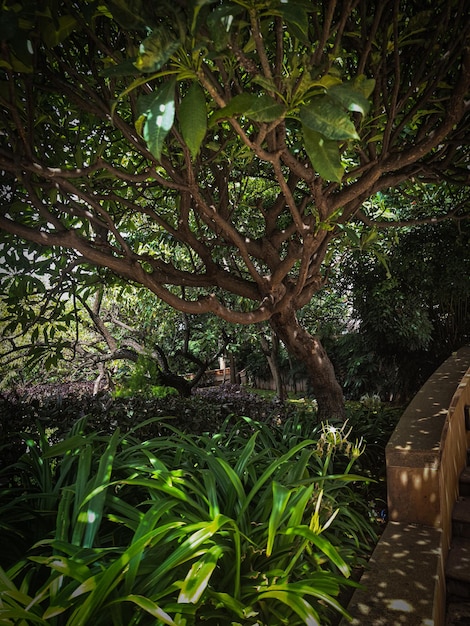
{"points": [[413, 311], [244, 134]]}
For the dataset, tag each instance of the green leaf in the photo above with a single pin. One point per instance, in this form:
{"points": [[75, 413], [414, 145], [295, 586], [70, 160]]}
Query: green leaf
{"points": [[237, 106], [258, 108], [149, 607], [53, 34], [70, 444], [364, 85], [323, 544], [65, 566], [324, 115], [232, 604], [94, 512], [297, 18], [324, 155], [348, 96], [198, 577], [269, 471], [128, 15], [187, 549], [296, 602], [281, 495], [156, 49], [219, 22], [126, 68], [193, 118], [159, 115], [265, 109]]}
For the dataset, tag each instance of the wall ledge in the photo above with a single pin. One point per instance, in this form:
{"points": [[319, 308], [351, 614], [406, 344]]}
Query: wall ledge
{"points": [[404, 582]]}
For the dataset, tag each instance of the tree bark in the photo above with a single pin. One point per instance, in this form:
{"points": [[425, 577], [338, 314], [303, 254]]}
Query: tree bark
{"points": [[272, 356], [308, 349]]}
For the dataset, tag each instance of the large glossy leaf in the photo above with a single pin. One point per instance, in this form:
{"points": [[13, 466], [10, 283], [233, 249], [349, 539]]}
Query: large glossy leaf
{"points": [[54, 34], [126, 68], [156, 49], [219, 23], [350, 97], [324, 155], [261, 108], [297, 19], [159, 117], [193, 118], [265, 109], [326, 116], [238, 105], [8, 24]]}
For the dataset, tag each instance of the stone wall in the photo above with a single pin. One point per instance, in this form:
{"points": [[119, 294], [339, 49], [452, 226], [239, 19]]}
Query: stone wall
{"points": [[405, 583]]}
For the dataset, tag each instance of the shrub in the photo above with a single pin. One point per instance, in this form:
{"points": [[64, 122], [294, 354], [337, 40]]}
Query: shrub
{"points": [[250, 525]]}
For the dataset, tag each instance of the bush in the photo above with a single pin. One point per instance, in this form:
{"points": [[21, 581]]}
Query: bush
{"points": [[250, 525]]}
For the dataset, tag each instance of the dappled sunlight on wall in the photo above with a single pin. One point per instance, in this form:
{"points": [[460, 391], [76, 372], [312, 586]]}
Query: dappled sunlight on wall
{"points": [[404, 582]]}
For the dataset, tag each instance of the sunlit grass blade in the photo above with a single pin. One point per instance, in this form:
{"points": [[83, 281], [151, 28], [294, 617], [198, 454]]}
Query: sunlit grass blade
{"points": [[270, 470], [148, 522], [211, 491], [281, 497], [295, 602], [200, 533], [97, 589], [199, 575], [81, 487], [150, 607], [323, 544], [94, 513], [67, 567], [229, 482], [246, 454]]}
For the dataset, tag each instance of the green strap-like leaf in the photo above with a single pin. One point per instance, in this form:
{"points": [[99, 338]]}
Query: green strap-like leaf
{"points": [[159, 115], [198, 576], [281, 495], [324, 115], [295, 602], [324, 155], [193, 118], [323, 544], [149, 607]]}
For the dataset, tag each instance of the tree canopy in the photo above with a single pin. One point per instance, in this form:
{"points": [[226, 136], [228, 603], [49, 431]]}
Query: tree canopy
{"points": [[215, 152]]}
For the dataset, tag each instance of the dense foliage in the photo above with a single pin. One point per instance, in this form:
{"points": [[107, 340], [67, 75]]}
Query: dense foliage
{"points": [[216, 153], [410, 306], [140, 522]]}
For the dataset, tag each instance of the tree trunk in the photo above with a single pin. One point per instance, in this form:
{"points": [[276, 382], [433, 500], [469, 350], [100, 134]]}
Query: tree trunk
{"points": [[308, 349], [234, 377], [272, 356]]}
